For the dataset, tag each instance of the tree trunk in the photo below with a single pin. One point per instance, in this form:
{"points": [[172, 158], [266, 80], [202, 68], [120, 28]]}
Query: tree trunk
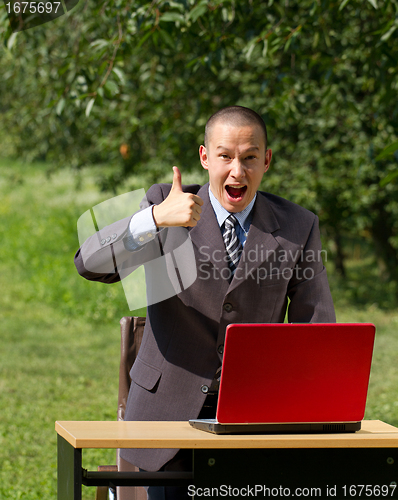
{"points": [[382, 231], [339, 262]]}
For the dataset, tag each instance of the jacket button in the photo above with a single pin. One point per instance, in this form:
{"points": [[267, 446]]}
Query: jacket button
{"points": [[220, 349], [114, 236], [204, 389], [108, 239], [103, 242], [228, 307]]}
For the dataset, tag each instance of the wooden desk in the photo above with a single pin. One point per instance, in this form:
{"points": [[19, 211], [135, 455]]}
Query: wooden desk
{"points": [[322, 465]]}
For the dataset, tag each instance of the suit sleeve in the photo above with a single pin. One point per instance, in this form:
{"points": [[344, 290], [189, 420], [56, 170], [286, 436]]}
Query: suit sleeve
{"points": [[308, 291], [106, 254]]}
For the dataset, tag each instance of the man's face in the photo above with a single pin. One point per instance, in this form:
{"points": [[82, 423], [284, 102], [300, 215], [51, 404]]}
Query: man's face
{"points": [[236, 160]]}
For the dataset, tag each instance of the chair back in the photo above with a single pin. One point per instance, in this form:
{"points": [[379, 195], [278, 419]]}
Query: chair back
{"points": [[131, 329]]}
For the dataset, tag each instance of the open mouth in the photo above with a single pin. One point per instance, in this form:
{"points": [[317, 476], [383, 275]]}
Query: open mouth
{"points": [[236, 193]]}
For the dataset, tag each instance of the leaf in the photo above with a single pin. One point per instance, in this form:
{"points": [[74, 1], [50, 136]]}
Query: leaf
{"points": [[11, 40], [387, 151], [177, 5], [120, 75], [167, 38], [287, 45], [315, 40], [144, 38], [265, 48], [83, 96], [99, 44], [373, 3], [250, 48], [388, 178], [343, 4], [195, 61], [198, 11], [172, 17], [111, 87], [60, 106], [90, 106], [387, 35], [327, 39]]}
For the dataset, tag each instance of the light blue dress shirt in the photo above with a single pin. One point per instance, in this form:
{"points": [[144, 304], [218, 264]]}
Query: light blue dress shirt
{"points": [[244, 218]]}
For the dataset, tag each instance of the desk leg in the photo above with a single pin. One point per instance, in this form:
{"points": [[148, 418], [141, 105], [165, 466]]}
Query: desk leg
{"points": [[69, 471]]}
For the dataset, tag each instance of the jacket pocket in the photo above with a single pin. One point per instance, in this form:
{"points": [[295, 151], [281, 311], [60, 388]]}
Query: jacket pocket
{"points": [[281, 278], [144, 375]]}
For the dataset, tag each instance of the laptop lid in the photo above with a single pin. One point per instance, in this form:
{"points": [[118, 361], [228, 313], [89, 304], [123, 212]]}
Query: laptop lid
{"points": [[280, 373]]}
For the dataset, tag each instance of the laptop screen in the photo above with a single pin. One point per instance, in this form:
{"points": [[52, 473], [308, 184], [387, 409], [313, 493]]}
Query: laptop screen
{"points": [[276, 373]]}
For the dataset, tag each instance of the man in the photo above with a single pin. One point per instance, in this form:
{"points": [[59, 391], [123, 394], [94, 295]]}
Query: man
{"points": [[248, 266]]}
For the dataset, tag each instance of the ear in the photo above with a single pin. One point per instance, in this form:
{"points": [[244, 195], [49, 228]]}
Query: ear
{"points": [[204, 160], [268, 156]]}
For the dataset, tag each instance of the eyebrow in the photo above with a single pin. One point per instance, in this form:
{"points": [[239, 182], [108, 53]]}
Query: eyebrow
{"points": [[246, 150]]}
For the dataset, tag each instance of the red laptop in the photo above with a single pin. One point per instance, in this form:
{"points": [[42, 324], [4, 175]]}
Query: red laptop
{"points": [[293, 378]]}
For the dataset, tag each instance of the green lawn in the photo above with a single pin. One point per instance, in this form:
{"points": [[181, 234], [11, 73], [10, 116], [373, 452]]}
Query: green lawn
{"points": [[60, 335]]}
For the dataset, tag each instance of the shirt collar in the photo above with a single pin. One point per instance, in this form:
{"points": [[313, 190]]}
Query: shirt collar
{"points": [[221, 213]]}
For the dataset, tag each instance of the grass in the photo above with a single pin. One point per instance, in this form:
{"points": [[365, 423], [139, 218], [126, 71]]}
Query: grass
{"points": [[364, 298], [60, 336]]}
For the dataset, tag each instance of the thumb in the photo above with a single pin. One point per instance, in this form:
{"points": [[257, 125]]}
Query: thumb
{"points": [[176, 180]]}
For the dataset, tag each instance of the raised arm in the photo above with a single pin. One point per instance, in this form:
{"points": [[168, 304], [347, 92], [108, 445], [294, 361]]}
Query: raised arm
{"points": [[124, 245]]}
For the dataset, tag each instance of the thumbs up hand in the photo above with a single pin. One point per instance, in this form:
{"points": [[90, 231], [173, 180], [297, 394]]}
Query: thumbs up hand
{"points": [[176, 179], [179, 208]]}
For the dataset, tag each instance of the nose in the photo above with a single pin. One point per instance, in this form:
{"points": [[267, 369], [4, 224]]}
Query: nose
{"points": [[237, 169]]}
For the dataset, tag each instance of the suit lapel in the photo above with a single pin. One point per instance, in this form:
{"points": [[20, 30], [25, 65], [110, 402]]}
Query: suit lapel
{"points": [[260, 240], [206, 235], [207, 238]]}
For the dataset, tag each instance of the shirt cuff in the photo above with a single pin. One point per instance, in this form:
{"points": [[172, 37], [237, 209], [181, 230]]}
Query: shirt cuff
{"points": [[142, 229]]}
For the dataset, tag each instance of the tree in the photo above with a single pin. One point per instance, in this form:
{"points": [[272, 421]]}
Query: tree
{"points": [[142, 80], [391, 149]]}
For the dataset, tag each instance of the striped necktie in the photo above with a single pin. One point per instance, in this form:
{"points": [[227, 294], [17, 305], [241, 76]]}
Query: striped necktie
{"points": [[232, 244]]}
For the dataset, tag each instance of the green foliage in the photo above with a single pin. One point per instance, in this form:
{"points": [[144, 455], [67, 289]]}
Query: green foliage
{"points": [[388, 151], [147, 76], [392, 148]]}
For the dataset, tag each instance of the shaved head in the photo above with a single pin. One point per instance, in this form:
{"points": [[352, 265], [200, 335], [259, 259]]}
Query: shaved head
{"points": [[236, 116]]}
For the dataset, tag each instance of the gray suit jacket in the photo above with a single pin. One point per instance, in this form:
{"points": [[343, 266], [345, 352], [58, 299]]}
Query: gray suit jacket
{"points": [[184, 334]]}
